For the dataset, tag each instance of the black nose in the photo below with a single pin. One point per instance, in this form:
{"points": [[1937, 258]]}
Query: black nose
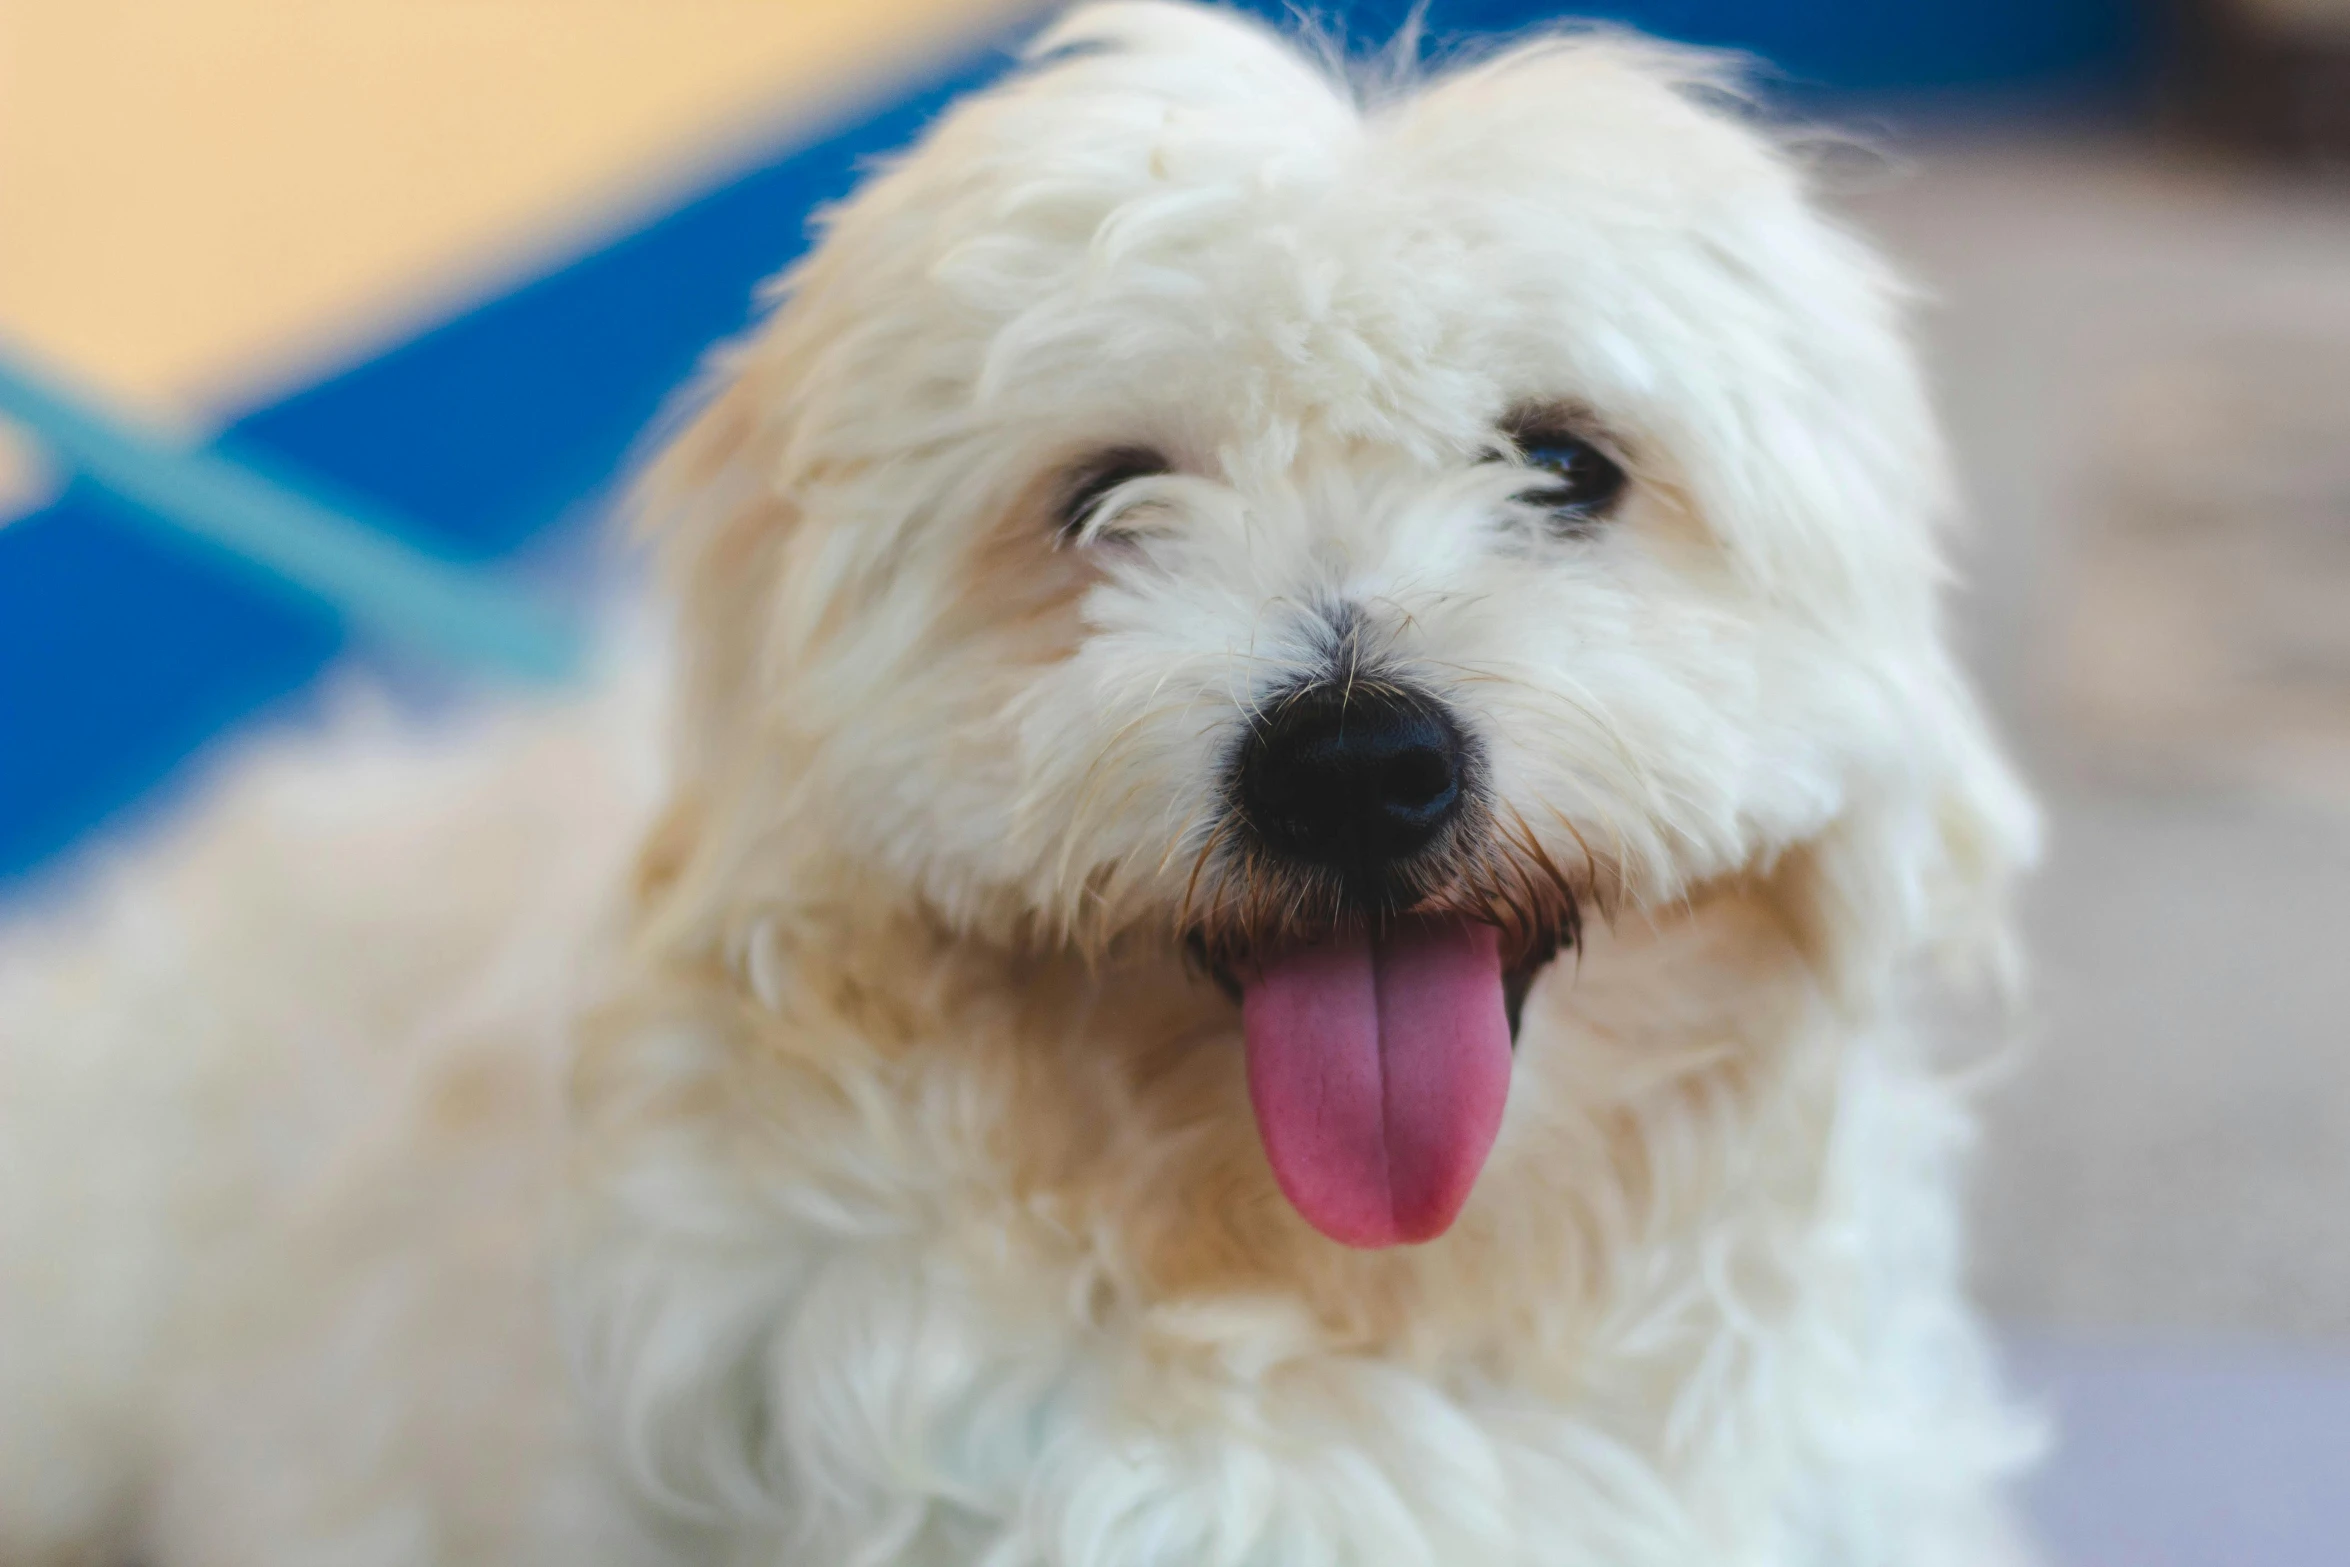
{"points": [[1351, 776]]}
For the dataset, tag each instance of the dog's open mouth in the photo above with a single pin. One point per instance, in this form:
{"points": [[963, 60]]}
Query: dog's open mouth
{"points": [[1379, 1065], [1379, 919]]}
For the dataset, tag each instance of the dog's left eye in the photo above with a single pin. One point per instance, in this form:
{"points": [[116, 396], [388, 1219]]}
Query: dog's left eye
{"points": [[1091, 481], [1572, 478]]}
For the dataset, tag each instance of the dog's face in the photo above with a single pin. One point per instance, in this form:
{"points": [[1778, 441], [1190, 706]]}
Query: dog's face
{"points": [[1180, 508]]}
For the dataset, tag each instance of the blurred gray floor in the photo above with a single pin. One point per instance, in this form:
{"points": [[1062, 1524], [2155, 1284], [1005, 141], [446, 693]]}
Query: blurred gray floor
{"points": [[2145, 360], [2180, 1454]]}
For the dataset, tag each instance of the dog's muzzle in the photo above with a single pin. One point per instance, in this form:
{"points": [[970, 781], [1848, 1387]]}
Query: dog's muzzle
{"points": [[1359, 802]]}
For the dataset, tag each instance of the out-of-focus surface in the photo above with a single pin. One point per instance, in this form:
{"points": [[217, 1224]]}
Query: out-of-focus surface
{"points": [[2143, 348], [2143, 352], [2144, 356], [199, 196], [2185, 1453], [484, 433]]}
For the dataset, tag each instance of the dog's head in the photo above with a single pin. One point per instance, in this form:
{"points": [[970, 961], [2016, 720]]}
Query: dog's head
{"points": [[1346, 537]]}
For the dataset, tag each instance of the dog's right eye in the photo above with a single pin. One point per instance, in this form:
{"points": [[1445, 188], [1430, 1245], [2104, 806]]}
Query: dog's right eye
{"points": [[1091, 481], [1572, 478]]}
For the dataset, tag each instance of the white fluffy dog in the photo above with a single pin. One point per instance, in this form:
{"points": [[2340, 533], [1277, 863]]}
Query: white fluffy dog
{"points": [[1267, 920]]}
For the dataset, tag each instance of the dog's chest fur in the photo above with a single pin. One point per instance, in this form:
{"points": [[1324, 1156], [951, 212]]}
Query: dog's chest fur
{"points": [[894, 1248]]}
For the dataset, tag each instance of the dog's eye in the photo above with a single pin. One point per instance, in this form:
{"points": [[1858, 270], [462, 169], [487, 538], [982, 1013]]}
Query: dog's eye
{"points": [[1091, 481], [1571, 477]]}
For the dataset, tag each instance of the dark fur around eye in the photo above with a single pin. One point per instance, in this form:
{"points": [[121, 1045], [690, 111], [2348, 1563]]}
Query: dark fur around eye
{"points": [[1097, 476], [1568, 474]]}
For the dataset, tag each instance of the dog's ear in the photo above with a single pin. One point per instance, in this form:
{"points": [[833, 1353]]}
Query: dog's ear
{"points": [[719, 522], [1924, 860], [714, 510]]}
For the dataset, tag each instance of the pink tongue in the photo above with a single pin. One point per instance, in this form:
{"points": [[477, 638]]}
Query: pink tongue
{"points": [[1379, 1070]]}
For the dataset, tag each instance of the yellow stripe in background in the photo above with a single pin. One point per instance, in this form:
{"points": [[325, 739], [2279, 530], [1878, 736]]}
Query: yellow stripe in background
{"points": [[198, 197]]}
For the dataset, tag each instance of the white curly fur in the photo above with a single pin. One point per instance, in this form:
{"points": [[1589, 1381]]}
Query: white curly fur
{"points": [[906, 1206]]}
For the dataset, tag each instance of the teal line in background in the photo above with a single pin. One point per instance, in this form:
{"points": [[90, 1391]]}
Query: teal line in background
{"points": [[356, 564]]}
